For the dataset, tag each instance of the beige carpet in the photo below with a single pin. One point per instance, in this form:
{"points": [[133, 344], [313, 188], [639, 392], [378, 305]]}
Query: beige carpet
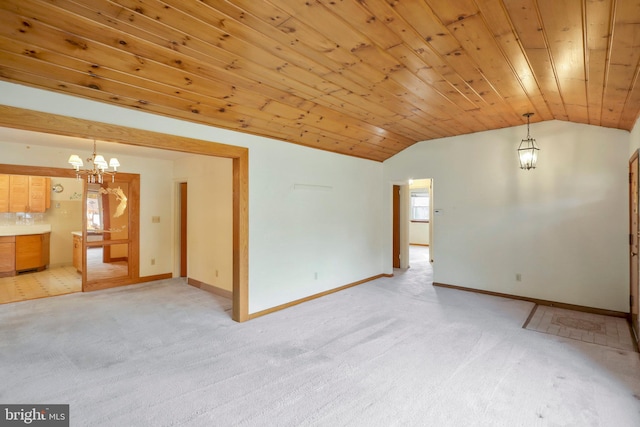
{"points": [[394, 352]]}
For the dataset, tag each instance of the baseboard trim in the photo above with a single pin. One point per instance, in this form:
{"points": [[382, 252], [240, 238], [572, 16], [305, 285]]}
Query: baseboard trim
{"points": [[102, 285], [153, 278], [539, 301], [210, 288], [315, 296]]}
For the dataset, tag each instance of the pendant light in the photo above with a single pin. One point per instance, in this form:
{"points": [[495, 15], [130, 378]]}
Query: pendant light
{"points": [[528, 150], [98, 169]]}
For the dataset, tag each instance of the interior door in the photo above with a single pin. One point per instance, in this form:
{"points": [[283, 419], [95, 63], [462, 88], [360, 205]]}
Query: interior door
{"points": [[634, 211], [183, 229], [396, 226], [431, 204]]}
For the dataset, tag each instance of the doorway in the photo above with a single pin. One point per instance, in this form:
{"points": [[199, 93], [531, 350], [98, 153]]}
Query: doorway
{"points": [[183, 228], [111, 232], [634, 276], [19, 118], [412, 207]]}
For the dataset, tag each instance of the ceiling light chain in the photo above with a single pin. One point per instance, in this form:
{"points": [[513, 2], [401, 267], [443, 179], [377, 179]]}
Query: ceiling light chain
{"points": [[528, 150], [95, 175]]}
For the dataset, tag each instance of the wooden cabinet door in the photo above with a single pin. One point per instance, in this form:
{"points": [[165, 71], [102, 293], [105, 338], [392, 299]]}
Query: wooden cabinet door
{"points": [[45, 240], [4, 193], [7, 254], [28, 252], [77, 253], [37, 194], [18, 193]]}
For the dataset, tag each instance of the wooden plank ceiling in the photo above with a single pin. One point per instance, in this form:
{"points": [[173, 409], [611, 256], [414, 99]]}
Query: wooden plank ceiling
{"points": [[365, 78]]}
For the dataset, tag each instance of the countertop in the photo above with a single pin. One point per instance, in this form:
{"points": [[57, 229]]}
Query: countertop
{"points": [[21, 230]]}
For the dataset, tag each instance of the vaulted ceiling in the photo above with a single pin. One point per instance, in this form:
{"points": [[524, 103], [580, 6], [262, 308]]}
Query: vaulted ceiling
{"points": [[365, 78]]}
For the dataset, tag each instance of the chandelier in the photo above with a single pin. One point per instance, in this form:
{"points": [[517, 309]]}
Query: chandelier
{"points": [[528, 150], [99, 168]]}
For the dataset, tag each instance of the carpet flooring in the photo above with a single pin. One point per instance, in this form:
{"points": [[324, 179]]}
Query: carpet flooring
{"points": [[392, 352]]}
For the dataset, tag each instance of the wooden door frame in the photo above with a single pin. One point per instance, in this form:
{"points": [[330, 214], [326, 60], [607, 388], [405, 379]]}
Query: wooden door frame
{"points": [[19, 118], [183, 196], [634, 288], [133, 241], [396, 227]]}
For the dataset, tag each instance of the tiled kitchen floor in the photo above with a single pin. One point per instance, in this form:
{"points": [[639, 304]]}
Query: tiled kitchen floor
{"points": [[588, 327], [50, 282]]}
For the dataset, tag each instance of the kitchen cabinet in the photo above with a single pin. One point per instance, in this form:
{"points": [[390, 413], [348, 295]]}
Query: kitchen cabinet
{"points": [[77, 252], [39, 193], [18, 193], [32, 252], [23, 193], [7, 255], [4, 193]]}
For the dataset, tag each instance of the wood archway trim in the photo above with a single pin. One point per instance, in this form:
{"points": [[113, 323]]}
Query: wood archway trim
{"points": [[19, 118]]}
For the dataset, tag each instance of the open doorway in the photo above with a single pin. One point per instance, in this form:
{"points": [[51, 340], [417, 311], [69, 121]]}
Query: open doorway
{"points": [[412, 221], [420, 223], [12, 117]]}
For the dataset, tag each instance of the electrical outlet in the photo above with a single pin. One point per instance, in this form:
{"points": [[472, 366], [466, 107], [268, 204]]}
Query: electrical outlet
{"points": [[315, 275], [153, 261], [518, 277]]}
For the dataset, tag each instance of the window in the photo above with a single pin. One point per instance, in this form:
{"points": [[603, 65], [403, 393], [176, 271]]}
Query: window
{"points": [[94, 210], [420, 204]]}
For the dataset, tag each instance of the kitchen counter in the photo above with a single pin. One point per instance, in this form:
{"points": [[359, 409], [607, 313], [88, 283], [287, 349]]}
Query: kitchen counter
{"points": [[22, 230]]}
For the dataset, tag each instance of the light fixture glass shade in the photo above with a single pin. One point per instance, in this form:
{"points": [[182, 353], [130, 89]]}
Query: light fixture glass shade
{"points": [[528, 150], [528, 153], [99, 160], [75, 160], [99, 168]]}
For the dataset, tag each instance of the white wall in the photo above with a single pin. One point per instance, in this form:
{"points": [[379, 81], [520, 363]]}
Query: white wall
{"points": [[562, 226], [209, 218], [65, 217], [311, 212], [293, 234], [419, 233]]}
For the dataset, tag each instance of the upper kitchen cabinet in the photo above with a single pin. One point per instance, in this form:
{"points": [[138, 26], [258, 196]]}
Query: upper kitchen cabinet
{"points": [[39, 193], [22, 193], [4, 193]]}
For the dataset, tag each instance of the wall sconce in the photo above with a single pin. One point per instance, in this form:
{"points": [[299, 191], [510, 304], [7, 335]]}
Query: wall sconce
{"points": [[528, 150]]}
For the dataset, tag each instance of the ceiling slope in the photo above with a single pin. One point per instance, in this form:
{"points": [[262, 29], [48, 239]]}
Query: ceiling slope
{"points": [[364, 78]]}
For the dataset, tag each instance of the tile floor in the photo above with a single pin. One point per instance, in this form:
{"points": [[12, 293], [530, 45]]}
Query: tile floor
{"points": [[593, 328], [50, 282]]}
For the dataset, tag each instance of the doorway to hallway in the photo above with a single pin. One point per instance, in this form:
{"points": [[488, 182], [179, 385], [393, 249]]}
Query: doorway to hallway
{"points": [[412, 219]]}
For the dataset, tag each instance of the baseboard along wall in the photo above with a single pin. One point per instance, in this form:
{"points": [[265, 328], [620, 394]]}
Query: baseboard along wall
{"points": [[314, 296], [574, 307], [210, 288]]}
